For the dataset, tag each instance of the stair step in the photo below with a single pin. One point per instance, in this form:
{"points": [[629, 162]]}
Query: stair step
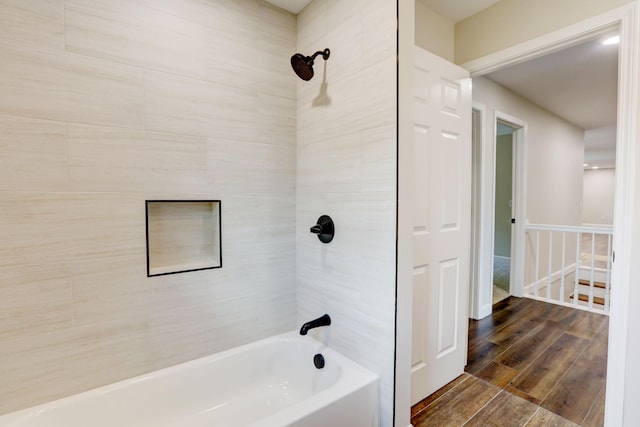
{"points": [[595, 284], [585, 298]]}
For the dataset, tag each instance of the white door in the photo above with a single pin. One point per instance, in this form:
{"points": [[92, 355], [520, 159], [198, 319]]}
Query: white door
{"points": [[442, 219]]}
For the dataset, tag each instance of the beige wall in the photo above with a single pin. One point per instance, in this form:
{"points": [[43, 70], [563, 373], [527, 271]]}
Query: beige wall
{"points": [[554, 157], [347, 169], [434, 32], [106, 103], [510, 22], [598, 196]]}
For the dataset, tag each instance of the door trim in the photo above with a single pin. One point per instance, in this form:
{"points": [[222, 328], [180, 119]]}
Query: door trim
{"points": [[478, 302], [519, 143], [625, 18]]}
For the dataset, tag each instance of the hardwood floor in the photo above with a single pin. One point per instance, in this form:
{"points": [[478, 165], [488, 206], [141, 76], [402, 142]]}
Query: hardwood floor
{"points": [[529, 364]]}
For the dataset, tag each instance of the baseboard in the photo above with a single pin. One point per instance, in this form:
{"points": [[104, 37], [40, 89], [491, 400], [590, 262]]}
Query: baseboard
{"points": [[554, 276], [485, 310]]}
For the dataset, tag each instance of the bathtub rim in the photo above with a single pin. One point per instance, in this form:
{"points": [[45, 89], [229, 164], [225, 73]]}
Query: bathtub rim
{"points": [[353, 378]]}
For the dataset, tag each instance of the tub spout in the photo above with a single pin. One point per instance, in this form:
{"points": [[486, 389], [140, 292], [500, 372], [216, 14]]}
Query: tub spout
{"points": [[323, 320]]}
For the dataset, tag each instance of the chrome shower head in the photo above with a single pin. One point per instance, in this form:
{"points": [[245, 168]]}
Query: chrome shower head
{"points": [[303, 65]]}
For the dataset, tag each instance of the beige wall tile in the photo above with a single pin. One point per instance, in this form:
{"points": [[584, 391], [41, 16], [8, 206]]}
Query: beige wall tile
{"points": [[189, 332], [57, 227], [105, 225], [36, 22], [132, 33], [34, 155], [34, 299], [34, 228], [154, 99], [186, 106], [109, 352], [63, 86], [109, 289], [277, 312], [37, 369], [346, 168], [250, 168], [112, 159]]}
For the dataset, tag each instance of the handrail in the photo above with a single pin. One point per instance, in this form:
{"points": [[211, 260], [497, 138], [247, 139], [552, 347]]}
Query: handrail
{"points": [[584, 274], [569, 228]]}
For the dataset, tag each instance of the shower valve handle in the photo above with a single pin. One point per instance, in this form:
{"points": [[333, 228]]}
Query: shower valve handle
{"points": [[316, 229], [324, 229]]}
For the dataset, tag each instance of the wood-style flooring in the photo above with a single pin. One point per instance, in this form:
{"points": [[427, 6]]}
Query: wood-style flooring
{"points": [[529, 364]]}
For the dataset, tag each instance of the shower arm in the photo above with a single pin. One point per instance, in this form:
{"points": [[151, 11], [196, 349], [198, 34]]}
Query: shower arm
{"points": [[325, 54]]}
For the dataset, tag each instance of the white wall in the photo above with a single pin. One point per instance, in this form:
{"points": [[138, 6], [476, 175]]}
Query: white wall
{"points": [[554, 156], [347, 169], [106, 103], [598, 196]]}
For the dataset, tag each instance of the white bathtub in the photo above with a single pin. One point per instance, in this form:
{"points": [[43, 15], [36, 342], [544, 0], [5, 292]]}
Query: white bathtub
{"points": [[269, 383]]}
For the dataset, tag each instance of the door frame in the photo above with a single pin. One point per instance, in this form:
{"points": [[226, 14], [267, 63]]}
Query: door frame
{"points": [[519, 190], [483, 238], [477, 300], [626, 20]]}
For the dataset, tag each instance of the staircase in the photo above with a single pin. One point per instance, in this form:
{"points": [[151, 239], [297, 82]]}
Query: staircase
{"points": [[569, 265], [583, 292]]}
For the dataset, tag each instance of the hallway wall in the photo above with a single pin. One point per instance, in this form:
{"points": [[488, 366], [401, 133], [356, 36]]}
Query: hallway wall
{"points": [[554, 157], [598, 196], [519, 21]]}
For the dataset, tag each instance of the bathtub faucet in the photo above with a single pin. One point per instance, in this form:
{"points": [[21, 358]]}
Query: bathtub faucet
{"points": [[323, 320]]}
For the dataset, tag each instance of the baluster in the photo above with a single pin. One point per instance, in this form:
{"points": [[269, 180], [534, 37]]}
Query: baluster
{"points": [[607, 285], [577, 273], [593, 260], [549, 265], [562, 273], [536, 284]]}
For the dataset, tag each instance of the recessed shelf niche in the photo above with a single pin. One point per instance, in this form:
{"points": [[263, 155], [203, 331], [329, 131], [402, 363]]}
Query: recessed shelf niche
{"points": [[182, 236]]}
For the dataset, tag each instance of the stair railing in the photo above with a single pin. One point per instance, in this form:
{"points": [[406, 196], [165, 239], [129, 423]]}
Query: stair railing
{"points": [[569, 265]]}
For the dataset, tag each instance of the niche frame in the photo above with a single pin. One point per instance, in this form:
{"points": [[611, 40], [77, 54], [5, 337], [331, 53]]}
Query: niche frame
{"points": [[185, 267]]}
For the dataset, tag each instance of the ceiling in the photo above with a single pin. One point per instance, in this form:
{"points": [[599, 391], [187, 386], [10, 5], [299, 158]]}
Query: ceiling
{"points": [[578, 84], [293, 6]]}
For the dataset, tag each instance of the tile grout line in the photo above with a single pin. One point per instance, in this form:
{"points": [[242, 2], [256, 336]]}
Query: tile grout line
{"points": [[440, 397], [509, 348], [542, 353], [531, 417], [593, 404], [483, 406], [565, 373]]}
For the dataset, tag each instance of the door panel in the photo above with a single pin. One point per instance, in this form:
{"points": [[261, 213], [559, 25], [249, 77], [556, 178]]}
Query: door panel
{"points": [[442, 216]]}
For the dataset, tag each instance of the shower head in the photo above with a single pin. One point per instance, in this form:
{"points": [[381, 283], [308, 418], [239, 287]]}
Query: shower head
{"points": [[303, 65]]}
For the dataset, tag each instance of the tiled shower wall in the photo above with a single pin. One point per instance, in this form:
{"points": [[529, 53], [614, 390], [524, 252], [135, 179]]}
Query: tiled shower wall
{"points": [[106, 103], [347, 169]]}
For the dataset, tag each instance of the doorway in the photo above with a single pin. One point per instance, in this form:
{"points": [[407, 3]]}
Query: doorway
{"points": [[504, 213], [625, 19]]}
